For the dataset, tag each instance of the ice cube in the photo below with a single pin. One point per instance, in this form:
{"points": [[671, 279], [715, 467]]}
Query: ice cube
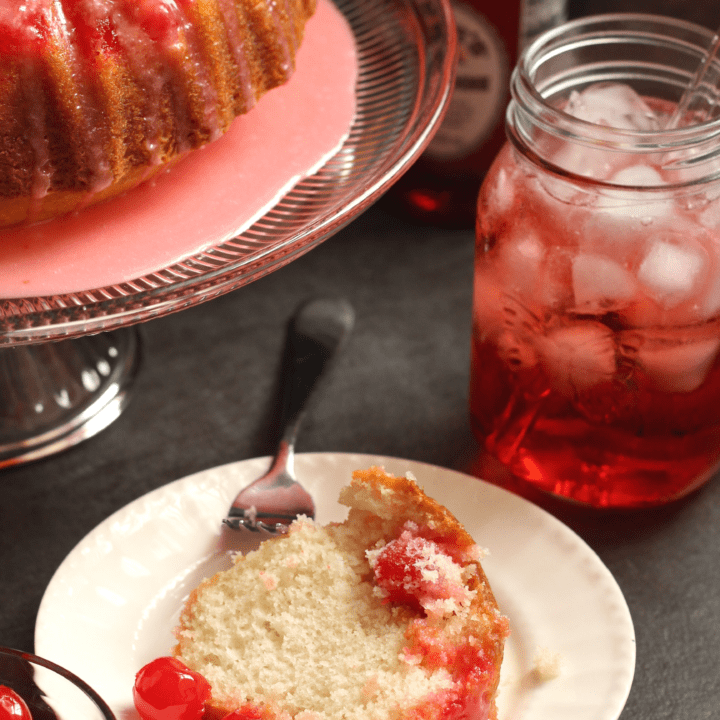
{"points": [[643, 207], [638, 176], [600, 283], [673, 364], [589, 162], [707, 304], [503, 192], [670, 271], [521, 257], [578, 356], [530, 272], [614, 105], [611, 236], [643, 212]]}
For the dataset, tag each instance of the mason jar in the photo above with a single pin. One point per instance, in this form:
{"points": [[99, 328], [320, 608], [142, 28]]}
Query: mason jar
{"points": [[595, 370]]}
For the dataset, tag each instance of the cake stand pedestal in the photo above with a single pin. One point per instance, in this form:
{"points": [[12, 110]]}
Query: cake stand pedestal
{"points": [[372, 76], [56, 394]]}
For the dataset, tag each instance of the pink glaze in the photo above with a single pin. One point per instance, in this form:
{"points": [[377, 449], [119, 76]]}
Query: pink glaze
{"points": [[211, 195], [23, 27]]}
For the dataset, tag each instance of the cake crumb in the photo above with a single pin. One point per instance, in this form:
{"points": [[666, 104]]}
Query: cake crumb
{"points": [[477, 553], [308, 715], [548, 664], [269, 580], [371, 689]]}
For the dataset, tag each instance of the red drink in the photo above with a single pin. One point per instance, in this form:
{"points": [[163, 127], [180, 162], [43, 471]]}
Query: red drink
{"points": [[613, 404], [596, 323]]}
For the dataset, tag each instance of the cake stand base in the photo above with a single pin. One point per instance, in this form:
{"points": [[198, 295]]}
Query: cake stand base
{"points": [[57, 394]]}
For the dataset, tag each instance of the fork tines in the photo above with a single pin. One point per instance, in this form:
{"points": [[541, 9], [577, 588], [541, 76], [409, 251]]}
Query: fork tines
{"points": [[244, 523]]}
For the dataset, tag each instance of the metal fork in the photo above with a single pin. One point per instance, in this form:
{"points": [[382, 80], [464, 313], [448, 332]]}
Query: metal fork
{"points": [[315, 333]]}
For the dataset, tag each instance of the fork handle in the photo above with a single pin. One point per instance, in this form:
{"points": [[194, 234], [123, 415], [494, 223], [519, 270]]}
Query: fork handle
{"points": [[314, 335], [307, 363]]}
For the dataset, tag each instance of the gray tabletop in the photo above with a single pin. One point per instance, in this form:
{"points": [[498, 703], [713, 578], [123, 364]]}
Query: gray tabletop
{"points": [[206, 395]]}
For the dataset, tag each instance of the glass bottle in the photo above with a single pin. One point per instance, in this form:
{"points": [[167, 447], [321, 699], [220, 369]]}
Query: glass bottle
{"points": [[442, 185]]}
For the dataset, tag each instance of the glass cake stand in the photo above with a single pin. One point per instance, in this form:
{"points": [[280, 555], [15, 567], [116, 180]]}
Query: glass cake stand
{"points": [[67, 362]]}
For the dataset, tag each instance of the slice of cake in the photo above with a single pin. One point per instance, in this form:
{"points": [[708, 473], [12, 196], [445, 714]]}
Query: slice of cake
{"points": [[386, 616]]}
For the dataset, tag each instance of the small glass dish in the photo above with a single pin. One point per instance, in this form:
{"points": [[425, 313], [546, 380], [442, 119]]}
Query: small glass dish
{"points": [[50, 691]]}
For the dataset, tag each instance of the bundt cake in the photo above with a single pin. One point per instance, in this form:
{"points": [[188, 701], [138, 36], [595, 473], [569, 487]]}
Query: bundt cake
{"points": [[97, 95], [386, 616]]}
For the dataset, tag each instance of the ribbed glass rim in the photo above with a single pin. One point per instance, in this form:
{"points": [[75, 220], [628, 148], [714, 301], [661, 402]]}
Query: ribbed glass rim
{"points": [[406, 51], [532, 109]]}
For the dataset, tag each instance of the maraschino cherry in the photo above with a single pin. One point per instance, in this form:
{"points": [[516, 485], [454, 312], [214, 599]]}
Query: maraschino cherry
{"points": [[166, 689], [12, 706]]}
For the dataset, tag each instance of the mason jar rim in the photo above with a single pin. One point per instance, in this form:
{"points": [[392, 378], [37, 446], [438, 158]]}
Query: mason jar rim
{"points": [[530, 109]]}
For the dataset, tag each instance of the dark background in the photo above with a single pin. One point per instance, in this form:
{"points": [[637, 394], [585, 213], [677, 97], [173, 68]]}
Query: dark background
{"points": [[205, 396]]}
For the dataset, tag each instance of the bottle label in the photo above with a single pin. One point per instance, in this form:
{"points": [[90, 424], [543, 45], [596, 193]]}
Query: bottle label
{"points": [[479, 95]]}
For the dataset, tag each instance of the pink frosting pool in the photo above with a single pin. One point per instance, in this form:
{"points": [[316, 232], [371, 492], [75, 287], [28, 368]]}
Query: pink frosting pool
{"points": [[211, 195]]}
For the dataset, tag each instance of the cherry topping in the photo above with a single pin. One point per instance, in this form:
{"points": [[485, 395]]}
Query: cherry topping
{"points": [[12, 706], [399, 570], [166, 689], [23, 28], [159, 18]]}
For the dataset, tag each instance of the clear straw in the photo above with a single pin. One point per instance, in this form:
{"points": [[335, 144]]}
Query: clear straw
{"points": [[694, 103]]}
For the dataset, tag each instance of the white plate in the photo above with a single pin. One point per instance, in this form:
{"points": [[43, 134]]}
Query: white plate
{"points": [[112, 604]]}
